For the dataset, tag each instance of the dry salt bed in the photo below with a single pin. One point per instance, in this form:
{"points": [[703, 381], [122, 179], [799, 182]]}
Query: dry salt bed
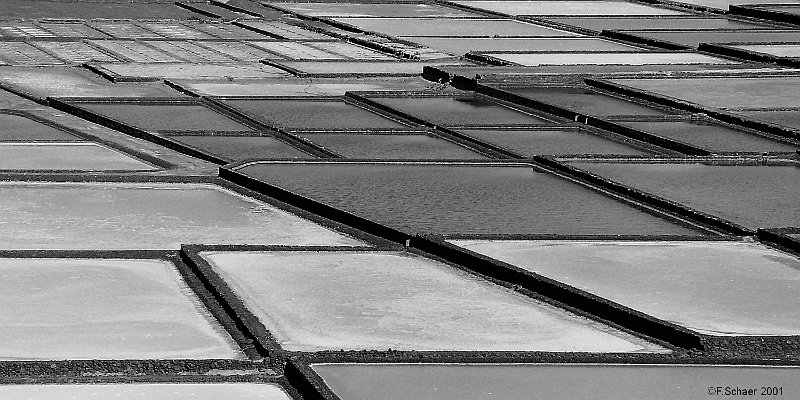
{"points": [[103, 309], [128, 216], [778, 50], [302, 87], [536, 59], [372, 10], [724, 4], [400, 301], [72, 156], [754, 196], [158, 71], [146, 391], [465, 45], [566, 7], [715, 288], [77, 82], [452, 27], [547, 381]]}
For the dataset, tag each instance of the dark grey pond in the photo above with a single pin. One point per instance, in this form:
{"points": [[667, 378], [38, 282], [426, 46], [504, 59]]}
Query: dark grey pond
{"points": [[167, 117], [712, 137], [585, 101], [725, 92], [234, 148], [460, 111], [567, 7], [753, 196], [14, 128], [313, 114], [463, 198], [391, 147], [529, 143], [545, 381]]}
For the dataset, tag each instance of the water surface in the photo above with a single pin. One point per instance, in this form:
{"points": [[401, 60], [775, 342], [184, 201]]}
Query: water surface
{"points": [[400, 301], [586, 101], [716, 138], [535, 59], [14, 128], [545, 381], [529, 143], [463, 199], [460, 46], [460, 110], [242, 147], [753, 196], [314, 114], [391, 147], [167, 117]]}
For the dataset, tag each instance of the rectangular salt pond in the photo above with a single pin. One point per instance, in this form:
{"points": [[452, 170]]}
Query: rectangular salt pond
{"points": [[466, 199], [400, 301], [363, 68], [585, 101], [125, 216], [627, 58], [695, 37], [146, 391], [567, 7], [452, 27], [461, 46], [235, 148], [460, 111], [788, 118], [372, 10], [16, 128], [77, 82], [754, 196], [67, 156], [302, 88], [777, 50], [135, 71], [103, 309], [391, 146], [628, 23], [309, 114], [166, 117], [712, 137], [755, 290], [547, 381], [559, 142], [725, 92]]}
